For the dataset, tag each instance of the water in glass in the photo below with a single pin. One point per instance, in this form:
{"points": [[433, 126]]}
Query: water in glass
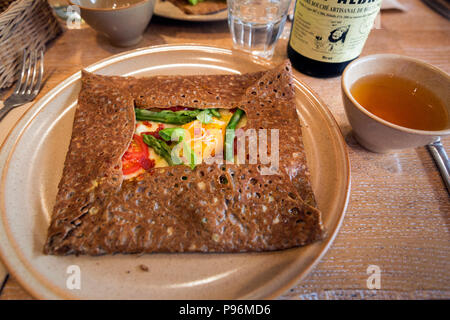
{"points": [[256, 25]]}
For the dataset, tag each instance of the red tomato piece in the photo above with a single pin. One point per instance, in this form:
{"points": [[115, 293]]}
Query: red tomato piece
{"points": [[130, 167], [131, 160], [147, 123], [147, 163], [156, 132]]}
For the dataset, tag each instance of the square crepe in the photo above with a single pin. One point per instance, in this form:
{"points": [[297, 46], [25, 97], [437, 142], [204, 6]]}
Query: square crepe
{"points": [[212, 208]]}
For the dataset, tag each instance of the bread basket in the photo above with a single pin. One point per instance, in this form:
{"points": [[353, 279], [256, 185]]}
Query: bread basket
{"points": [[23, 24]]}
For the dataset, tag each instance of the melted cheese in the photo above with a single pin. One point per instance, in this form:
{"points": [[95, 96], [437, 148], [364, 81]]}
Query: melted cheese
{"points": [[206, 139]]}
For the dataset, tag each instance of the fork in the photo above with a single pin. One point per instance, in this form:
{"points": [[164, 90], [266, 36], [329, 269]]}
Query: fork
{"points": [[29, 84]]}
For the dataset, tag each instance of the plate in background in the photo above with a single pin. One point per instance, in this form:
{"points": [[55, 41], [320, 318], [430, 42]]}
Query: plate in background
{"points": [[166, 9]]}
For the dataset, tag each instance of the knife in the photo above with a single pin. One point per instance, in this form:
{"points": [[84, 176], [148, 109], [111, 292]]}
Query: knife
{"points": [[440, 157]]}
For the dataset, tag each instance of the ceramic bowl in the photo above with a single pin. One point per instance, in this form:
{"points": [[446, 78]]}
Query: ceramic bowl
{"points": [[376, 134], [121, 21]]}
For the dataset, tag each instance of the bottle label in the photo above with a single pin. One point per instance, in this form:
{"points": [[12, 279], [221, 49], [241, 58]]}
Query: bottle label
{"points": [[332, 30]]}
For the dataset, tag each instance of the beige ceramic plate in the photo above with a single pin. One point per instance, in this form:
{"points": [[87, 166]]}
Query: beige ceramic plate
{"points": [[31, 162], [166, 9]]}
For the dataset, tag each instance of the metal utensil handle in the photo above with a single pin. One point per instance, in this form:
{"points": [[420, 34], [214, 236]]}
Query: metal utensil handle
{"points": [[440, 157], [4, 111]]}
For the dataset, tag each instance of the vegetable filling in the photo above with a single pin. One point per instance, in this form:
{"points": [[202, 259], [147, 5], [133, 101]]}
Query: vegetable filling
{"points": [[180, 136]]}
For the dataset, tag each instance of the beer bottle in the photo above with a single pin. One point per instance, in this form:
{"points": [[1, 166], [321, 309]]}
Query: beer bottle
{"points": [[326, 35]]}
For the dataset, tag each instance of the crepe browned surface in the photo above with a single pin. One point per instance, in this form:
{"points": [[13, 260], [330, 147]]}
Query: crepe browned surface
{"points": [[205, 7], [213, 208]]}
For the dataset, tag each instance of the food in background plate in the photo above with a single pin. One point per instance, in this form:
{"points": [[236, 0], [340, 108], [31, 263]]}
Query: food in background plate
{"points": [[199, 7], [126, 188]]}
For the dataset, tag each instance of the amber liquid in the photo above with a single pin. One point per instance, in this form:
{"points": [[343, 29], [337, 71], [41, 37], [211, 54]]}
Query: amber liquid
{"points": [[401, 101]]}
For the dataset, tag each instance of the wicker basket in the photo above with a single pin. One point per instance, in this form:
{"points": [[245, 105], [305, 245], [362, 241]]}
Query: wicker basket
{"points": [[23, 24]]}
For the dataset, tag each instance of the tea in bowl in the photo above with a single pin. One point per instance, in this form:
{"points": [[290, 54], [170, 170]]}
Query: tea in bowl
{"points": [[395, 102], [121, 21]]}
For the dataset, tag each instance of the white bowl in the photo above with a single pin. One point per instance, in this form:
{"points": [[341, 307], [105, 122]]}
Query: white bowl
{"points": [[122, 24], [375, 133]]}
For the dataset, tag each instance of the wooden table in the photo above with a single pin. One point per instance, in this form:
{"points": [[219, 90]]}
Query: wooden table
{"points": [[398, 217]]}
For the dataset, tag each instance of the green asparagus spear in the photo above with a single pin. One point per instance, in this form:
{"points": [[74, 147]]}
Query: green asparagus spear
{"points": [[215, 113], [230, 134], [235, 119], [159, 146], [167, 116], [179, 134], [205, 116], [194, 2], [177, 117], [193, 157]]}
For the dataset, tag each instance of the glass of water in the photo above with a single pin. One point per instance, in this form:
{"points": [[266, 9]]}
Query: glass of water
{"points": [[256, 25]]}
